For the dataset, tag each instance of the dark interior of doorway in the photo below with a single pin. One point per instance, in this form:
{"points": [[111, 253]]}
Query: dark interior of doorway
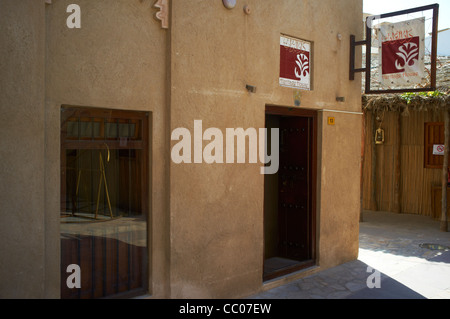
{"points": [[289, 222]]}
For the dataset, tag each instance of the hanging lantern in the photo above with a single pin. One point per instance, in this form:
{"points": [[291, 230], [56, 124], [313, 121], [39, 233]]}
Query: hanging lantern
{"points": [[379, 136]]}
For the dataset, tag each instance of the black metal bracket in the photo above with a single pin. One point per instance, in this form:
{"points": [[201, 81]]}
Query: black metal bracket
{"points": [[353, 44]]}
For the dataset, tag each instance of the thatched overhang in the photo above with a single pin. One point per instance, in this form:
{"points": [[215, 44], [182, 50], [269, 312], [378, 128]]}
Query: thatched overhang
{"points": [[404, 103]]}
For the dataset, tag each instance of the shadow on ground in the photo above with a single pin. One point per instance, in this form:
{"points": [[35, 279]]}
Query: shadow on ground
{"points": [[391, 243], [348, 281]]}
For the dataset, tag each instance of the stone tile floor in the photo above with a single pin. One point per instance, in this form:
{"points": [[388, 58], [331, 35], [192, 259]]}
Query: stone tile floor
{"points": [[389, 243]]}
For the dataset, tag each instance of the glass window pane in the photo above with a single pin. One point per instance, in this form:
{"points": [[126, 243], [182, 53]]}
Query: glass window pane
{"points": [[132, 130], [103, 216], [72, 129], [97, 130], [85, 129], [124, 130], [111, 130]]}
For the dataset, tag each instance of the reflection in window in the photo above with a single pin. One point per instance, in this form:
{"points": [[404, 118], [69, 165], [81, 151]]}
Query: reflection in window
{"points": [[103, 203]]}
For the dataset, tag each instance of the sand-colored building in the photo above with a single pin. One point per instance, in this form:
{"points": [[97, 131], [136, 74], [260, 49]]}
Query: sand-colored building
{"points": [[90, 97]]}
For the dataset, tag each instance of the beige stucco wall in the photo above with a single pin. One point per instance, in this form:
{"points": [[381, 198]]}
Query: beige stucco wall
{"points": [[339, 187], [217, 210], [116, 60], [22, 170], [206, 221]]}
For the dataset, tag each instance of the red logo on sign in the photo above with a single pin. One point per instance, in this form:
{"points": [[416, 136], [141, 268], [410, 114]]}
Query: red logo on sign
{"points": [[440, 148], [294, 63], [399, 54]]}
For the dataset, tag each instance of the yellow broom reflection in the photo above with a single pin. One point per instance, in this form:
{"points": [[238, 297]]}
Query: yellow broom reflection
{"points": [[102, 180]]}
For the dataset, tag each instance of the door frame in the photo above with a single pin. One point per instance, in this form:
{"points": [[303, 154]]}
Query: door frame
{"points": [[313, 115]]}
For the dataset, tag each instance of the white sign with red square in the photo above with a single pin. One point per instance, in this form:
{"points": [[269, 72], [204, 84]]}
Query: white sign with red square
{"points": [[438, 149], [295, 63]]}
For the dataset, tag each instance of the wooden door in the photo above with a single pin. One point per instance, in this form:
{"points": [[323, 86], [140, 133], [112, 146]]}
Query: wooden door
{"points": [[294, 188]]}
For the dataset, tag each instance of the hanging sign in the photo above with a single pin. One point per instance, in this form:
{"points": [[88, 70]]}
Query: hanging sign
{"points": [[438, 149], [295, 66], [402, 51]]}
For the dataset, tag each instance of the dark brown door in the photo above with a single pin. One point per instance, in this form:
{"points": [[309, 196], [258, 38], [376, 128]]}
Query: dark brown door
{"points": [[294, 208]]}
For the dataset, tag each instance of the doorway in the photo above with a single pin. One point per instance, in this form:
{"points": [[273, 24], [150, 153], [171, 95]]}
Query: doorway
{"points": [[289, 195]]}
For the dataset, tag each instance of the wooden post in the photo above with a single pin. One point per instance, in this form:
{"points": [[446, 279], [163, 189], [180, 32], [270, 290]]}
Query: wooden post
{"points": [[363, 147], [398, 168], [444, 219], [373, 193]]}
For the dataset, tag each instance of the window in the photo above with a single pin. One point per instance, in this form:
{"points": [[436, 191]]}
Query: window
{"points": [[104, 201]]}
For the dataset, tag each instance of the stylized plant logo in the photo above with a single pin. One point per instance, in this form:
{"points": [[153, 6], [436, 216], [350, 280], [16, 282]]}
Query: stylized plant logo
{"points": [[303, 64], [409, 53]]}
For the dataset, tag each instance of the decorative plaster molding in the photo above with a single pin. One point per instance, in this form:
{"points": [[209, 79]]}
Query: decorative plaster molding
{"points": [[163, 14]]}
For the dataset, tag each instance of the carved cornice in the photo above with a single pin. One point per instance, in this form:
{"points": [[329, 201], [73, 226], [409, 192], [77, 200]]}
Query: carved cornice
{"points": [[163, 14]]}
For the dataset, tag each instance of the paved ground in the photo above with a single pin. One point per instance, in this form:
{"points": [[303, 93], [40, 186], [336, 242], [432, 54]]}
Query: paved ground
{"points": [[391, 245]]}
